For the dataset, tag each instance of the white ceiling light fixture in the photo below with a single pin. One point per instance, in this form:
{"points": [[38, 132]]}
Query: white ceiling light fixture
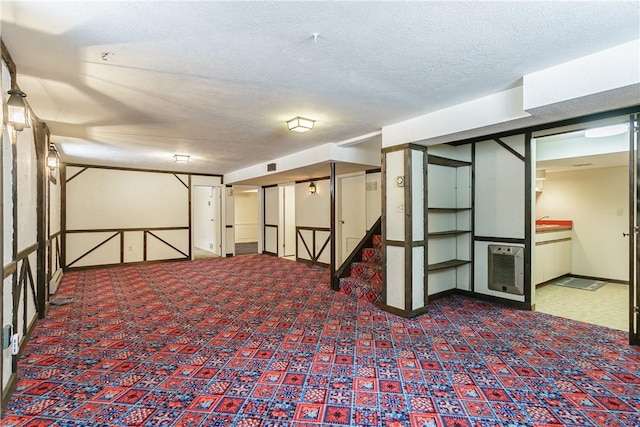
{"points": [[300, 124], [17, 110], [181, 158], [604, 131]]}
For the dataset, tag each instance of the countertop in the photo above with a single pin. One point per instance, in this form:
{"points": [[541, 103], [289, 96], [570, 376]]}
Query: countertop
{"points": [[548, 225]]}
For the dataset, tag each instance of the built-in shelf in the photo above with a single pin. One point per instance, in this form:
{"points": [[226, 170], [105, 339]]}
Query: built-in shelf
{"points": [[448, 210], [447, 264], [449, 223], [447, 233]]}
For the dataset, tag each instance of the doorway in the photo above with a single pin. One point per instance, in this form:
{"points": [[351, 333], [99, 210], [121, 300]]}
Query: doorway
{"points": [[351, 215], [207, 231], [288, 212], [245, 219], [581, 271]]}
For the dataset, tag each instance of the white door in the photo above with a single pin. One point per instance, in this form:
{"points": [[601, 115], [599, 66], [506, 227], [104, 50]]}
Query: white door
{"points": [[351, 214], [217, 220], [204, 224], [289, 220]]}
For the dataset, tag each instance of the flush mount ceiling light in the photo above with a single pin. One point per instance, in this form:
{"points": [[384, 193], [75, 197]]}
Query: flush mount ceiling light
{"points": [[181, 158], [300, 124], [17, 110], [312, 188], [604, 131]]}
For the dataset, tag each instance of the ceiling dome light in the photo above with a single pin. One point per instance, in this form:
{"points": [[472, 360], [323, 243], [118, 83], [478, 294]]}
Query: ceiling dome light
{"points": [[300, 124], [181, 158], [601, 132]]}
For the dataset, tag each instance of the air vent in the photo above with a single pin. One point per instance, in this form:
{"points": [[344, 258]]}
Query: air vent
{"points": [[271, 167], [579, 165], [506, 269]]}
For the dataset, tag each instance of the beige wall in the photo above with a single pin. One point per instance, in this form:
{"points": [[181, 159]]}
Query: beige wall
{"points": [[120, 199], [246, 216], [313, 210], [597, 202]]}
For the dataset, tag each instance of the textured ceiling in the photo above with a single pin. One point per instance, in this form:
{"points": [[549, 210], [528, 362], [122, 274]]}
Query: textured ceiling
{"points": [[133, 83]]}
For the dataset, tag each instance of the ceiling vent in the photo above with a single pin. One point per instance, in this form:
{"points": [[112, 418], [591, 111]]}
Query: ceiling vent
{"points": [[271, 167]]}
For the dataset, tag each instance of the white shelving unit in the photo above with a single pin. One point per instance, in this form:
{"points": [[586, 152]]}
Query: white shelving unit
{"points": [[450, 219]]}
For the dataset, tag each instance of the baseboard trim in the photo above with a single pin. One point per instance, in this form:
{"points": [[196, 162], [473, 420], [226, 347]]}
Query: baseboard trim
{"points": [[407, 314], [502, 301], [600, 279], [8, 391], [124, 264]]}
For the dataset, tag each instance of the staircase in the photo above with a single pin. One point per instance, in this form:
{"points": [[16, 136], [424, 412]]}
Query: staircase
{"points": [[365, 280]]}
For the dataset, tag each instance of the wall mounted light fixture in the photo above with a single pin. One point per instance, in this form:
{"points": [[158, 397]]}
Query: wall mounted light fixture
{"points": [[300, 124], [181, 158], [17, 110], [53, 158], [312, 188]]}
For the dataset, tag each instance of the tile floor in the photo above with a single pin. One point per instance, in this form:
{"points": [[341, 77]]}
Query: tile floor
{"points": [[607, 306], [199, 253]]}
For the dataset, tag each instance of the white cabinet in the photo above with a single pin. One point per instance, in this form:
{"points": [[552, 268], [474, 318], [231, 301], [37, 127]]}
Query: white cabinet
{"points": [[552, 255]]}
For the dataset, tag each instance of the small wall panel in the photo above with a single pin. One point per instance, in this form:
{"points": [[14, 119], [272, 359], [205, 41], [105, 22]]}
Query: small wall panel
{"points": [[395, 277], [133, 246], [158, 250], [79, 244], [271, 240]]}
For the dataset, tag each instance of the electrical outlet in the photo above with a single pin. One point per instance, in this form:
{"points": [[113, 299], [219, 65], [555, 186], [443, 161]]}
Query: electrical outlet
{"points": [[399, 207], [620, 211]]}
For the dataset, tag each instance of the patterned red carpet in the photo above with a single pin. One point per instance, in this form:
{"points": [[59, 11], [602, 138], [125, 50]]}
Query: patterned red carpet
{"points": [[260, 341]]}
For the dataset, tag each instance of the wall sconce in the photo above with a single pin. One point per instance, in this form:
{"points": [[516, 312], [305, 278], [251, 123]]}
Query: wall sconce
{"points": [[312, 188], [181, 158], [53, 158], [17, 110], [300, 124]]}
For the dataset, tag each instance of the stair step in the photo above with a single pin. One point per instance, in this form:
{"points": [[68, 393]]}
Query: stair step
{"points": [[361, 290], [372, 256], [377, 241], [367, 273]]}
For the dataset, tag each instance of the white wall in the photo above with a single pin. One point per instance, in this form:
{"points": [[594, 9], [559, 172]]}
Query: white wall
{"points": [[596, 200], [120, 199], [246, 216], [314, 210], [271, 218], [499, 204], [24, 223], [374, 197]]}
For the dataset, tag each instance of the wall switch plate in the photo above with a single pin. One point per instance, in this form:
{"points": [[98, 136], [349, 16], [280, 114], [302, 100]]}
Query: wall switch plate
{"points": [[400, 181], [15, 344]]}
